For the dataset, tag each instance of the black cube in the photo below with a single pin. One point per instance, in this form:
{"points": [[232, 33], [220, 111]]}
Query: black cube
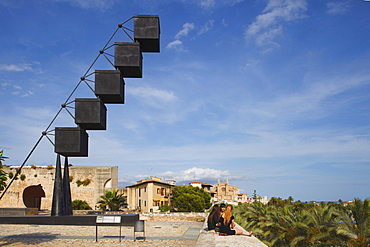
{"points": [[110, 86], [71, 141], [128, 59], [91, 114], [147, 32]]}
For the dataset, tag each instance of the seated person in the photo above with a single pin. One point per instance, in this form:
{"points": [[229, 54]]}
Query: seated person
{"points": [[213, 218], [227, 224]]}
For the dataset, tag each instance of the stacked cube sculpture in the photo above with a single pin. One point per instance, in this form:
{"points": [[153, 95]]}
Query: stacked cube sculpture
{"points": [[91, 113]]}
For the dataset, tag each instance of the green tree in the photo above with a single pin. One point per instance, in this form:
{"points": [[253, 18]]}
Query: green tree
{"points": [[355, 224], [80, 205], [283, 223], [319, 228], [164, 208], [187, 198], [3, 175], [112, 201], [275, 201]]}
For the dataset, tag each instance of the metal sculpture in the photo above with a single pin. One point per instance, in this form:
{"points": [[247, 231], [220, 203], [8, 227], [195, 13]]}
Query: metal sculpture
{"points": [[90, 113], [32, 196], [57, 208]]}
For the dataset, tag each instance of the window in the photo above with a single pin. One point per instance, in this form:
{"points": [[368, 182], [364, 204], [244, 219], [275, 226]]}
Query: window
{"points": [[163, 191]]}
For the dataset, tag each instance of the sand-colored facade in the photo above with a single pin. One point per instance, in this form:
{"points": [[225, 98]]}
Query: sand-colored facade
{"points": [[149, 194], [87, 183], [224, 192]]}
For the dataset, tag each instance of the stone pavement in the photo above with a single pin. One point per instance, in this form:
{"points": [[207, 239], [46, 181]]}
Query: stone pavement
{"points": [[157, 233]]}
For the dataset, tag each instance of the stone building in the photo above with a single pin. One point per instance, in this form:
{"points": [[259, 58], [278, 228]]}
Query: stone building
{"points": [[148, 195], [87, 183], [206, 187], [224, 192]]}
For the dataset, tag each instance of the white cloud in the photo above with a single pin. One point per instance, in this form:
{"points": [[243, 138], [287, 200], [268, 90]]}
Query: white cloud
{"points": [[312, 98], [154, 98], [207, 3], [186, 28], [184, 32], [31, 67], [196, 173], [269, 25], [153, 94], [208, 26], [18, 90], [28, 93], [224, 23], [90, 4], [16, 68], [175, 45], [338, 8]]}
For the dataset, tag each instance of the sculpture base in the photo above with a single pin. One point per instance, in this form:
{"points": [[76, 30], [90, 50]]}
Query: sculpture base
{"points": [[80, 220], [19, 211]]}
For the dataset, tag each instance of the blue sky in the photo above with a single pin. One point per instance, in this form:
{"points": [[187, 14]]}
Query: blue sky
{"points": [[271, 94]]}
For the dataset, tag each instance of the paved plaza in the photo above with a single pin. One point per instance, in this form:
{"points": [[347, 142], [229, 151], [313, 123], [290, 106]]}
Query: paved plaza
{"points": [[157, 233]]}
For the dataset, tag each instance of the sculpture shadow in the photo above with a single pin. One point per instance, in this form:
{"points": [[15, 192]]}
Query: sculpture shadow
{"points": [[26, 239]]}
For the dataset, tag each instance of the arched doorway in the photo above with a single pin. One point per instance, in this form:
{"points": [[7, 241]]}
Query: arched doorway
{"points": [[108, 184]]}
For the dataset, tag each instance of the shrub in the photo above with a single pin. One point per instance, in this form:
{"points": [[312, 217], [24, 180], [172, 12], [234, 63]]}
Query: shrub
{"points": [[86, 182], [80, 205], [164, 208], [23, 177], [79, 183]]}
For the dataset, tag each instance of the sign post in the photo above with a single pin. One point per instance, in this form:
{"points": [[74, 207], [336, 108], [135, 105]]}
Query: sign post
{"points": [[107, 220]]}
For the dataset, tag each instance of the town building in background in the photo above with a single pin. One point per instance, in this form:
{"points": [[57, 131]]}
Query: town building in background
{"points": [[148, 195], [34, 188], [206, 187], [226, 193]]}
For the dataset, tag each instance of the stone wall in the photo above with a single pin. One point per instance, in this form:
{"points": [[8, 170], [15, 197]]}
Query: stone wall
{"points": [[174, 216], [159, 216], [87, 183]]}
